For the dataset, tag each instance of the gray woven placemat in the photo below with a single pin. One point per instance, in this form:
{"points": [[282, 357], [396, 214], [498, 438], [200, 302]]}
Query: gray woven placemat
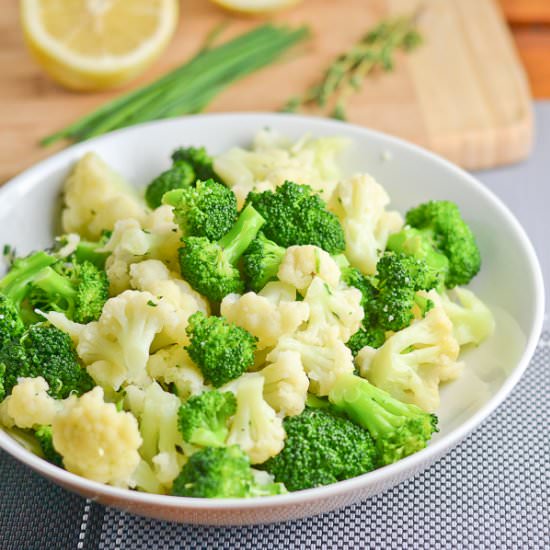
{"points": [[489, 492]]}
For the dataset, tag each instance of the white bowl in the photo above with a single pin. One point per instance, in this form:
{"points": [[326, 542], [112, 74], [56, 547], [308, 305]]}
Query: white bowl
{"points": [[510, 282]]}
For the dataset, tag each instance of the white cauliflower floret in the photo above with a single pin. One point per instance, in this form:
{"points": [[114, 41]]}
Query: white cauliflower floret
{"points": [[286, 384], [302, 263], [96, 197], [154, 277], [116, 347], [412, 362], [323, 361], [29, 404], [472, 320], [158, 425], [95, 440], [132, 242], [166, 236], [264, 316], [360, 205], [273, 159], [333, 312], [172, 365], [255, 427]]}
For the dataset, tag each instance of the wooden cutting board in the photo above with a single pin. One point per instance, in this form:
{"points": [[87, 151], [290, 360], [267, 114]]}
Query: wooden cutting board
{"points": [[462, 94]]}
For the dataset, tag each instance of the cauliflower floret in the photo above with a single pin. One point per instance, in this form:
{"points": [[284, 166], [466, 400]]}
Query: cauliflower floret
{"points": [[96, 197], [172, 365], [154, 277], [132, 242], [302, 263], [360, 205], [158, 425], [116, 347], [286, 383], [333, 312], [265, 316], [29, 404], [273, 159], [323, 361], [255, 427], [166, 236], [412, 362], [472, 320], [95, 440]]}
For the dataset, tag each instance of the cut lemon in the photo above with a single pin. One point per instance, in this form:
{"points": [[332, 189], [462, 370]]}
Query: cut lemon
{"points": [[255, 7], [97, 44]]}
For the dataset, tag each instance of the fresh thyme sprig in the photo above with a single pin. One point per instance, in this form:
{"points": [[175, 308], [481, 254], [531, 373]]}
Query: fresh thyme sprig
{"points": [[346, 74]]}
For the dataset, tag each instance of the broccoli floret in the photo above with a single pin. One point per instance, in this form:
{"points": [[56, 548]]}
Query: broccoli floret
{"points": [[207, 210], [16, 284], [210, 267], [389, 297], [203, 418], [44, 436], [11, 325], [295, 215], [45, 351], [222, 350], [200, 161], [221, 472], [77, 290], [373, 337], [180, 176], [261, 262], [399, 278], [321, 448], [399, 429], [437, 229]]}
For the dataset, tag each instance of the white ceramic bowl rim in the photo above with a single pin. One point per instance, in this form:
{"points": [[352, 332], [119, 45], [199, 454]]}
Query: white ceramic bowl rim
{"points": [[28, 177]]}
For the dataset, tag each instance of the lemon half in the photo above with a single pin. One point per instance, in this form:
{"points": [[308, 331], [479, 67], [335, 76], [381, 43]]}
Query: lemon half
{"points": [[97, 44], [256, 7]]}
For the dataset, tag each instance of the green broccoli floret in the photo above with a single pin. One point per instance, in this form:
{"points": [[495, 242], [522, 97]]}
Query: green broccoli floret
{"points": [[399, 429], [221, 472], [180, 176], [16, 284], [261, 262], [207, 210], [45, 351], [222, 350], [2, 375], [11, 325], [366, 336], [203, 418], [295, 215], [321, 448], [200, 161], [437, 229], [211, 267], [389, 297], [399, 277], [44, 436], [87, 251], [77, 290]]}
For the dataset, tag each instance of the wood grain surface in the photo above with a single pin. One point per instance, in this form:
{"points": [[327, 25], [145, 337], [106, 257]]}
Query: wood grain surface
{"points": [[463, 94]]}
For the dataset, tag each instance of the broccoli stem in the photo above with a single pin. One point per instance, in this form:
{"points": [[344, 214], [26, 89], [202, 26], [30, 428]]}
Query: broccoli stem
{"points": [[368, 405], [55, 284], [399, 429], [89, 251], [15, 284], [243, 232]]}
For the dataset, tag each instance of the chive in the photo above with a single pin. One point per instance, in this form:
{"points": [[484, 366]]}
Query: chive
{"points": [[189, 88]]}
